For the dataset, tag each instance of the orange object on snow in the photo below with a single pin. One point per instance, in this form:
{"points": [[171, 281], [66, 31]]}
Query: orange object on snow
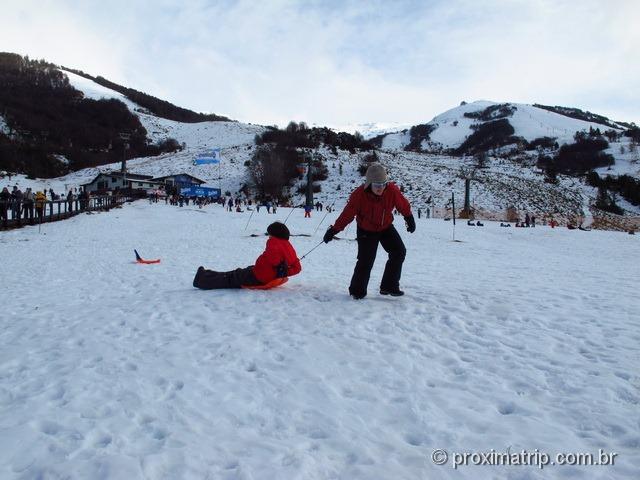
{"points": [[139, 259]]}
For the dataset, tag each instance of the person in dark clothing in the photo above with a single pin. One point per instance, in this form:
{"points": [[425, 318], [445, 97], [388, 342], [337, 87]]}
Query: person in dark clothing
{"points": [[16, 202], [70, 200], [372, 205], [278, 261], [5, 199]]}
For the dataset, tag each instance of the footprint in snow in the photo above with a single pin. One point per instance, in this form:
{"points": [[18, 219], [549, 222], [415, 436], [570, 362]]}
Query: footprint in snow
{"points": [[251, 367], [506, 408], [102, 441], [49, 428]]}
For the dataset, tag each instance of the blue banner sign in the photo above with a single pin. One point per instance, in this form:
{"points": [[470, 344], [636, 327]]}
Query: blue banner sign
{"points": [[200, 192], [213, 157]]}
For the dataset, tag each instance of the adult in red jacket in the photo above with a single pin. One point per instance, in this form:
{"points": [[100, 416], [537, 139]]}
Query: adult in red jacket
{"points": [[372, 205], [279, 260]]}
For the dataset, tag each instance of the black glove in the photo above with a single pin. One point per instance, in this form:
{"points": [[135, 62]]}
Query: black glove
{"points": [[282, 269], [411, 223], [329, 234]]}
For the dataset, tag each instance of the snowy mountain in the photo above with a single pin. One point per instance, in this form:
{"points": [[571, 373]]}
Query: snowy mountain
{"points": [[429, 180], [451, 128], [370, 130]]}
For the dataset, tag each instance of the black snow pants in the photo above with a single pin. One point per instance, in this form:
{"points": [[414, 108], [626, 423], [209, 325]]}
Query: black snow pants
{"points": [[210, 280], [367, 249]]}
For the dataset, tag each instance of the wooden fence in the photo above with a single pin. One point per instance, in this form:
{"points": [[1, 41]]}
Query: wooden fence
{"points": [[19, 214]]}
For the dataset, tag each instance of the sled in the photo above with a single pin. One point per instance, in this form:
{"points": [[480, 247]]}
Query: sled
{"points": [[139, 259], [276, 282]]}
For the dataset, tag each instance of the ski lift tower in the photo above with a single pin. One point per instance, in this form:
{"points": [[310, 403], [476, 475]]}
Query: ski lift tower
{"points": [[125, 146], [309, 201]]}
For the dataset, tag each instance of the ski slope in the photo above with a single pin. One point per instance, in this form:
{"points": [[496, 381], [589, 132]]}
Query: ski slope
{"points": [[508, 339]]}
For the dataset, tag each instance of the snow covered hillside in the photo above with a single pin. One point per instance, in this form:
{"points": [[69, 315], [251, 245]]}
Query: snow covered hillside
{"points": [[198, 138], [451, 128], [428, 179], [528, 121], [511, 340]]}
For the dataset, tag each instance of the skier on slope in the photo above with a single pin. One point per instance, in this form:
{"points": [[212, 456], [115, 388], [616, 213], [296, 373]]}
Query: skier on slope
{"points": [[372, 205], [278, 262]]}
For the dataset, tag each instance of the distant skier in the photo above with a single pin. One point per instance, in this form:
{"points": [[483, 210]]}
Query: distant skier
{"points": [[278, 261], [372, 205]]}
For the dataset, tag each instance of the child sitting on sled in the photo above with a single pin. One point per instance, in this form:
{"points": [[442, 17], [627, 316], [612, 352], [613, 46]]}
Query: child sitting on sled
{"points": [[278, 262]]}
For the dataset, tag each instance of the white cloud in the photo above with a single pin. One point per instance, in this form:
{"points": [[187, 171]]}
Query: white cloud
{"points": [[344, 62]]}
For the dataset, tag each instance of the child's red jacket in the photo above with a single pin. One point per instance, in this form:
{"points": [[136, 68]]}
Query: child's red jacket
{"points": [[270, 264]]}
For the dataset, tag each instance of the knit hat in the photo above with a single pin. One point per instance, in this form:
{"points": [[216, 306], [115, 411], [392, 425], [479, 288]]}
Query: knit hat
{"points": [[376, 173], [278, 230]]}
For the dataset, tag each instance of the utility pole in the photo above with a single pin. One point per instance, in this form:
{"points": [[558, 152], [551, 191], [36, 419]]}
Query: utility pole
{"points": [[309, 202], [125, 146], [453, 209], [467, 191]]}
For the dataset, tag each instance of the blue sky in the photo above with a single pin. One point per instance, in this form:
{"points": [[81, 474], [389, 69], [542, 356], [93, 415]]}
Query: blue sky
{"points": [[339, 63]]}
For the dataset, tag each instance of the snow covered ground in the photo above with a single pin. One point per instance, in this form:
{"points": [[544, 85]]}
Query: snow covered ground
{"points": [[511, 339]]}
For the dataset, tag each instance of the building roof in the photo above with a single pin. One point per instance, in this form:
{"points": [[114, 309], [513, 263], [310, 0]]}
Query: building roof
{"points": [[182, 174], [128, 176]]}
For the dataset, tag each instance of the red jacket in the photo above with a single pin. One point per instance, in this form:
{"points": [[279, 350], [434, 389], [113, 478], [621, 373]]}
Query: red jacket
{"points": [[277, 251], [373, 213]]}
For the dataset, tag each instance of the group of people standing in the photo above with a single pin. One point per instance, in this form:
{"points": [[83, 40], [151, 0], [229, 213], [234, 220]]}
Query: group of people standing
{"points": [[31, 206]]}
